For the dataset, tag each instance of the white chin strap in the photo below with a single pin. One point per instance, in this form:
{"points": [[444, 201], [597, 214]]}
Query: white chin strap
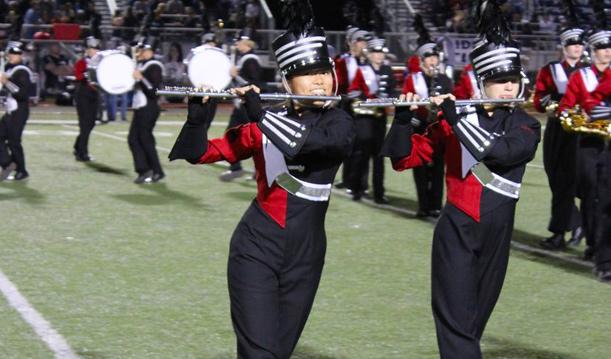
{"points": [[523, 81], [327, 104]]}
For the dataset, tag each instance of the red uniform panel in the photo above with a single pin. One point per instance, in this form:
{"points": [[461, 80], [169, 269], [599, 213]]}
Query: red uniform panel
{"points": [[240, 143], [464, 193], [463, 90], [576, 91]]}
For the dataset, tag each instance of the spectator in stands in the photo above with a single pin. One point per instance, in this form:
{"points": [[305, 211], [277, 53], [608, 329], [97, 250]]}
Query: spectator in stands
{"points": [[32, 17], [174, 7], [56, 65], [547, 23], [251, 14], [174, 67], [68, 13], [130, 20], [191, 19]]}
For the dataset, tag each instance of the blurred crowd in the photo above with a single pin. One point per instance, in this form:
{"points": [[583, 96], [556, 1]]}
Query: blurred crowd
{"points": [[528, 16]]}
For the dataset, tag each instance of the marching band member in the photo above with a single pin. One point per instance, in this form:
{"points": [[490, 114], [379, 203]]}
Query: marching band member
{"points": [[247, 71], [466, 86], [427, 82], [277, 251], [87, 98], [377, 82], [559, 146], [349, 75], [486, 150], [599, 109], [582, 84], [17, 81], [148, 75]]}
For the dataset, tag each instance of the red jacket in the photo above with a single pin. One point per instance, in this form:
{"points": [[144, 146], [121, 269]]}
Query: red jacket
{"points": [[508, 156], [601, 93], [409, 86], [342, 75], [80, 69], [545, 84], [577, 92], [463, 89]]}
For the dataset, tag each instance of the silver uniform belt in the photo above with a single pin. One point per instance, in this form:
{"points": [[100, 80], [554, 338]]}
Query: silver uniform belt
{"points": [[310, 191], [495, 182]]}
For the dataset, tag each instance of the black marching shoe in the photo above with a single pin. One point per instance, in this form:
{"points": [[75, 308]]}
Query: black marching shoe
{"points": [[588, 254], [6, 171], [81, 157], [381, 200], [422, 213], [603, 274], [340, 185], [157, 177], [20, 176], [554, 242], [576, 236], [357, 195], [435, 213], [146, 177]]}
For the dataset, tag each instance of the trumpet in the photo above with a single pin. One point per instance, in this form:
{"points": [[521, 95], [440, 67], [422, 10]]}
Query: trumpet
{"points": [[173, 91], [395, 102]]}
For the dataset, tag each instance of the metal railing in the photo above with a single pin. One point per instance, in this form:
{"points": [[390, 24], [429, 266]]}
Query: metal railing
{"points": [[537, 49]]}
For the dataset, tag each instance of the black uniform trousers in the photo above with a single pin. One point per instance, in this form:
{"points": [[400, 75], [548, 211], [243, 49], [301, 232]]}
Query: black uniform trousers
{"points": [[87, 104], [429, 184], [603, 232], [273, 275], [469, 262], [370, 132], [11, 129], [238, 117], [588, 172], [347, 164], [141, 139], [560, 162]]}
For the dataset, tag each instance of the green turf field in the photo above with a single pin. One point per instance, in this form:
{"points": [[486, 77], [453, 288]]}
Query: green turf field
{"points": [[127, 271]]}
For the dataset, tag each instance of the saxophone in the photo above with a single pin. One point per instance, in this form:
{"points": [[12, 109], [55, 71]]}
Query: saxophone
{"points": [[577, 121]]}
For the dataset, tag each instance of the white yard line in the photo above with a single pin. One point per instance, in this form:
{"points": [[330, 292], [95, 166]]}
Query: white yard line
{"points": [[40, 325]]}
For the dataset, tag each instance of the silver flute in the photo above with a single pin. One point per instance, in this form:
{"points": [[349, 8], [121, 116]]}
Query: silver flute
{"points": [[193, 92], [395, 102]]}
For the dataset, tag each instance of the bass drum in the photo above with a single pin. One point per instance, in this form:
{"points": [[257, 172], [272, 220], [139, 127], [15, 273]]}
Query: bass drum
{"points": [[208, 67], [113, 71]]}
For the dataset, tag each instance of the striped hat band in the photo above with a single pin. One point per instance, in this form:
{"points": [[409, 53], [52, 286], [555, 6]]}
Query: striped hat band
{"points": [[427, 49], [570, 34], [301, 49], [599, 37], [504, 57], [376, 44]]}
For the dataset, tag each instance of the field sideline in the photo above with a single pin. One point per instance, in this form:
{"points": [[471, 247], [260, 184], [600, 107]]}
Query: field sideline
{"points": [[127, 271]]}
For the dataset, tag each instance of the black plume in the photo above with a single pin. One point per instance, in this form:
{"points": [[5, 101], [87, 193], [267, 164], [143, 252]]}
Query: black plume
{"points": [[598, 6], [492, 23], [570, 13], [423, 34], [298, 16]]}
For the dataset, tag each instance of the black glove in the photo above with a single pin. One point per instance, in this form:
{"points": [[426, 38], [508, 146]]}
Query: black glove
{"points": [[600, 112], [199, 112], [448, 106], [403, 115], [546, 100], [252, 104], [192, 142]]}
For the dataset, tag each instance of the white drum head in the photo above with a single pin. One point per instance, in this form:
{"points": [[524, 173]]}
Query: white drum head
{"points": [[115, 73], [209, 68]]}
